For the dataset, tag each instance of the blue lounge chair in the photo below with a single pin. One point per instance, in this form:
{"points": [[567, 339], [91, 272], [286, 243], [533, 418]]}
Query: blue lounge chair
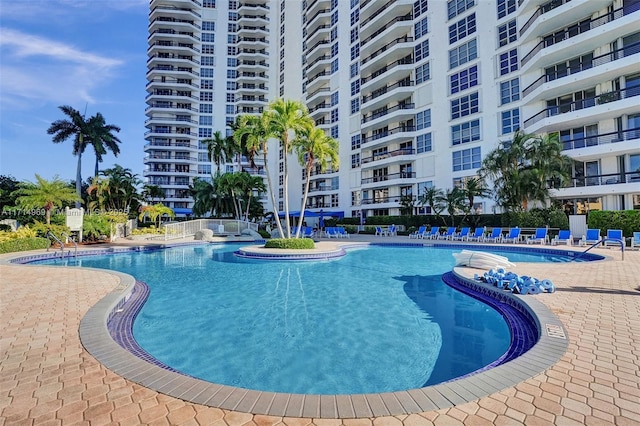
{"points": [[307, 232], [419, 233], [332, 232], [495, 237], [464, 233], [513, 237], [635, 240], [613, 235], [433, 233], [540, 236], [342, 233], [478, 235], [592, 236], [563, 237], [447, 235], [392, 231], [381, 232]]}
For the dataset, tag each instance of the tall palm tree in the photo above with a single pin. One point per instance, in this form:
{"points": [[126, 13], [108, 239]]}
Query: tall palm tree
{"points": [[217, 149], [250, 185], [252, 131], [286, 119], [100, 135], [432, 197], [454, 201], [123, 183], [44, 194], [314, 147], [230, 184], [474, 187], [77, 128]]}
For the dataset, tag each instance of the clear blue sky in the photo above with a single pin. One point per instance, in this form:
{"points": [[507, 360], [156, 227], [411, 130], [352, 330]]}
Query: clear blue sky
{"points": [[83, 53]]}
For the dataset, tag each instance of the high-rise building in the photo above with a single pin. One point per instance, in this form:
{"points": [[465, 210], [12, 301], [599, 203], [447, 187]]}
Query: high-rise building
{"points": [[416, 92]]}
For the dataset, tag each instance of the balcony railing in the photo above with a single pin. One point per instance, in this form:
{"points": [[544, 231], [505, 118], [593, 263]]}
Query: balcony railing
{"points": [[629, 50], [181, 21], [601, 139], [384, 178], [580, 28], [380, 135], [542, 9], [381, 91], [602, 98], [381, 200], [597, 180], [386, 111], [405, 39], [171, 81], [325, 188], [407, 17], [174, 9], [407, 60], [376, 13], [397, 152]]}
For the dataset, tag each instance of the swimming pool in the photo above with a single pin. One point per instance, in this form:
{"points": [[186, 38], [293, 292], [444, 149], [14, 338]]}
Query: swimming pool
{"points": [[392, 325]]}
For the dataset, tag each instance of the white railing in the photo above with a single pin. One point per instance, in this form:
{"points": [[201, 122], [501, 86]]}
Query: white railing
{"points": [[189, 228]]}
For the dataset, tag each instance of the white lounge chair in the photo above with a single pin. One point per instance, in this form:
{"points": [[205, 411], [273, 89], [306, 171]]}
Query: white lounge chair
{"points": [[563, 237], [613, 236], [591, 237], [635, 240], [539, 237]]}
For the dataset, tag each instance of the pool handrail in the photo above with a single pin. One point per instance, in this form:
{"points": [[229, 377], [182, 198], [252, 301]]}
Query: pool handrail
{"points": [[602, 241]]}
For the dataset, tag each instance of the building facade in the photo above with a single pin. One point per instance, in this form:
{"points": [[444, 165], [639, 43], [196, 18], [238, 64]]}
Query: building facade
{"points": [[416, 92]]}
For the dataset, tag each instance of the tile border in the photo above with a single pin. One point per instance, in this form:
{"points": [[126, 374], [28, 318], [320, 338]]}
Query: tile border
{"points": [[97, 340]]}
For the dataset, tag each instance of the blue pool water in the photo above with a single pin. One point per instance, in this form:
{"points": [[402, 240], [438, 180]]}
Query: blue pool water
{"points": [[379, 319]]}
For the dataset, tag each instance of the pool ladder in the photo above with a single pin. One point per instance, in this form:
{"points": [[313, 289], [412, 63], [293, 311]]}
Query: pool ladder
{"points": [[602, 241], [59, 241]]}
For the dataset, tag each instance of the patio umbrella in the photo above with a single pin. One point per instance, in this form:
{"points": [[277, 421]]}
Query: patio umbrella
{"points": [[321, 221]]}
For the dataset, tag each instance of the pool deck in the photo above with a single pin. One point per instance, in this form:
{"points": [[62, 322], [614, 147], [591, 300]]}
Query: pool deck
{"points": [[46, 377]]}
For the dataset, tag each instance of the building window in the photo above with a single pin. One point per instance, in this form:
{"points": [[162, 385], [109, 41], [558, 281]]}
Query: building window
{"points": [[334, 98], [510, 121], [334, 18], [464, 106], [232, 62], [334, 49], [206, 108], [456, 7], [209, 61], [508, 61], [355, 141], [208, 26], [354, 69], [466, 159], [355, 34], [423, 119], [206, 84], [420, 7], [462, 28], [355, 51], [209, 3], [507, 33], [423, 73], [208, 37], [334, 132], [334, 33], [421, 28], [355, 87], [206, 72], [355, 16], [231, 97], [206, 96], [334, 115], [355, 105], [463, 54], [230, 109], [205, 133], [510, 91], [463, 80], [355, 160], [422, 50], [334, 66], [465, 132], [506, 7], [423, 143]]}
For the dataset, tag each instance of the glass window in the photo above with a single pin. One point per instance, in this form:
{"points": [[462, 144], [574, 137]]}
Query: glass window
{"points": [[462, 28], [355, 141], [419, 7], [510, 121], [421, 28], [355, 105], [506, 7], [465, 132], [354, 69], [422, 50], [466, 159], [423, 119], [509, 91], [334, 66], [423, 73], [463, 80], [464, 105], [507, 33], [355, 87], [423, 143], [508, 61], [456, 7], [463, 54]]}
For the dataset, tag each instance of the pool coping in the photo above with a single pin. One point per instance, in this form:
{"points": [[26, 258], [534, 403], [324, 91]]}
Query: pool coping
{"points": [[97, 340]]}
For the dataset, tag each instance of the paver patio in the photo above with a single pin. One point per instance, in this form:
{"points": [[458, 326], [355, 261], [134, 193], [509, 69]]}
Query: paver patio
{"points": [[46, 377]]}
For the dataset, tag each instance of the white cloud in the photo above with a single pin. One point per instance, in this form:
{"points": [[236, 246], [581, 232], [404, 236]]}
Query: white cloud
{"points": [[37, 69]]}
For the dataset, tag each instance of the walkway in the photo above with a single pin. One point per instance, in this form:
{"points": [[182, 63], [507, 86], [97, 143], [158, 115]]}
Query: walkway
{"points": [[47, 378]]}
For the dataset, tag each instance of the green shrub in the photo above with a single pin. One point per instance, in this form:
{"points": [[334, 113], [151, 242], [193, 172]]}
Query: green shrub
{"points": [[627, 220], [5, 228], [290, 243], [264, 233], [23, 244], [147, 230], [41, 229], [94, 226], [22, 232]]}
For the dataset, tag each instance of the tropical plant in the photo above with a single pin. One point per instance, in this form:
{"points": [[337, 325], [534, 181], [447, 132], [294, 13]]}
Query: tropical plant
{"points": [[454, 201], [8, 186], [407, 205], [314, 148], [123, 193], [285, 120], [251, 186], [204, 197], [152, 193], [433, 197], [230, 185], [155, 212], [219, 150], [100, 135], [46, 195], [521, 169]]}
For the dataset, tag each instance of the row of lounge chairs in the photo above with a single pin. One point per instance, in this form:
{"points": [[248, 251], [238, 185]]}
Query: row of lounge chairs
{"points": [[612, 238]]}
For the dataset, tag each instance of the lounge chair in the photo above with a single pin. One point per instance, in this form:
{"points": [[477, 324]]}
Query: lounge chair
{"points": [[513, 236], [592, 236], [478, 235], [635, 240], [381, 232], [495, 237], [306, 232], [563, 237], [433, 233], [447, 235], [613, 236], [392, 231], [419, 233], [464, 233], [342, 233], [540, 236]]}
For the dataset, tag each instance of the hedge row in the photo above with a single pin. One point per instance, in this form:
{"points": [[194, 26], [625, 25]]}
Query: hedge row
{"points": [[23, 244], [290, 243], [627, 220]]}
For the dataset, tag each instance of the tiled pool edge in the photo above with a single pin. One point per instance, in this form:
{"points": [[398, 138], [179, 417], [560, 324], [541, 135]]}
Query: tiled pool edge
{"points": [[95, 337]]}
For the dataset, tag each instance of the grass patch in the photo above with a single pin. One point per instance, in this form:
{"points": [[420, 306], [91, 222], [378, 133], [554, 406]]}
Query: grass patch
{"points": [[290, 243]]}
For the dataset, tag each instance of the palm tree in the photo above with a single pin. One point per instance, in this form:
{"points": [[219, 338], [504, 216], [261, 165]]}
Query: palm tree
{"points": [[152, 192], [100, 192], [286, 119], [45, 195], [454, 201], [230, 184], [475, 187], [77, 127], [101, 136], [204, 197], [155, 211], [217, 149], [252, 132], [123, 188], [314, 147], [433, 197], [250, 185]]}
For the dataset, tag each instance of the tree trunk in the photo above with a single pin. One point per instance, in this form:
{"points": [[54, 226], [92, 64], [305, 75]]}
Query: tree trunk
{"points": [[285, 139], [271, 192], [304, 201], [79, 179]]}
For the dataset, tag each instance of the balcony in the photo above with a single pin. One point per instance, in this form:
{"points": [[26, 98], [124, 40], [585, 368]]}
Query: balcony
{"points": [[173, 11], [390, 154], [597, 185], [407, 60], [578, 29], [542, 9], [385, 178], [386, 133], [406, 20], [390, 89], [386, 111], [601, 99], [596, 61]]}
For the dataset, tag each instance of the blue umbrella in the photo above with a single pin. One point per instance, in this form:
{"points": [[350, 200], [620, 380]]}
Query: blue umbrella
{"points": [[321, 222]]}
